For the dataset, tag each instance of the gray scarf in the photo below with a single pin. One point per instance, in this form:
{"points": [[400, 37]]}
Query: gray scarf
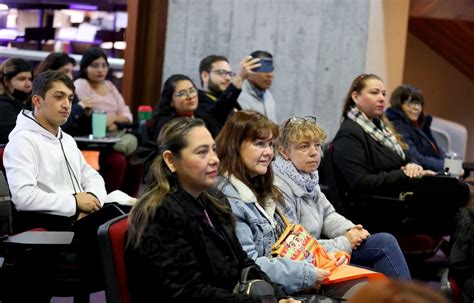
{"points": [[308, 182]]}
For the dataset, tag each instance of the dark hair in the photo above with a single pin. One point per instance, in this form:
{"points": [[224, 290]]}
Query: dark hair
{"points": [[164, 104], [174, 138], [261, 54], [88, 57], [405, 93], [9, 69], [244, 126], [206, 64], [44, 81], [358, 84], [54, 61]]}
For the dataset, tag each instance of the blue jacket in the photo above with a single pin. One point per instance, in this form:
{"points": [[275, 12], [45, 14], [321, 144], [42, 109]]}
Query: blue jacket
{"points": [[255, 229], [422, 145]]}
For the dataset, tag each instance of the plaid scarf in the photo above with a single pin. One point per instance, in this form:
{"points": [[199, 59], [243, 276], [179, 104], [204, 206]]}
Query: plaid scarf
{"points": [[382, 134]]}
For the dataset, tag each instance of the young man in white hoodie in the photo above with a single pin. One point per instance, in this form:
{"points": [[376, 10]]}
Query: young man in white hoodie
{"points": [[51, 184], [46, 172]]}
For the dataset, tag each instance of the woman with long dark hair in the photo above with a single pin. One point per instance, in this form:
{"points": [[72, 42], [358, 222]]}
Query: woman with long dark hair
{"points": [[182, 245]]}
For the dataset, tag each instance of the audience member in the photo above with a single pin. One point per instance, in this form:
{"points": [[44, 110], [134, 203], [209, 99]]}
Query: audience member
{"points": [[51, 184], [179, 98], [80, 120], [182, 245], [16, 75], [296, 175], [245, 147], [255, 91], [93, 85], [406, 114], [217, 80], [370, 160]]}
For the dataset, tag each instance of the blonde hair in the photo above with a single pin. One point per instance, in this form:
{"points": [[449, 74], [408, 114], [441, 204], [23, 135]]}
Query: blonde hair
{"points": [[299, 131]]}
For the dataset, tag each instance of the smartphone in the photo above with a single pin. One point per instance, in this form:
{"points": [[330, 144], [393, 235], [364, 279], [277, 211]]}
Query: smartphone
{"points": [[265, 67]]}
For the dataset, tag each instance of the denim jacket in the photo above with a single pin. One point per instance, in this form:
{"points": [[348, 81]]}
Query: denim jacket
{"points": [[255, 230], [318, 216]]}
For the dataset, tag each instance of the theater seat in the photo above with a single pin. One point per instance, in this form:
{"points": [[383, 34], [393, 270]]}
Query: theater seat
{"points": [[112, 247]]}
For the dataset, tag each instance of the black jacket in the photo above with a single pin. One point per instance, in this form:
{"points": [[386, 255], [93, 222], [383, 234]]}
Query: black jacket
{"points": [[9, 110], [367, 166], [183, 258], [207, 100], [422, 145]]}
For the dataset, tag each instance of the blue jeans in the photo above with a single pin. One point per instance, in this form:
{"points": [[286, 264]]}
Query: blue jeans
{"points": [[381, 253]]}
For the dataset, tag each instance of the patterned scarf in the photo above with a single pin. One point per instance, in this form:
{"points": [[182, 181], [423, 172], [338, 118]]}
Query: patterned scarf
{"points": [[382, 134], [308, 182]]}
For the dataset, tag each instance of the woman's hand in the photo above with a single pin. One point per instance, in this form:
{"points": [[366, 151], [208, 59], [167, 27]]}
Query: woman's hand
{"points": [[428, 173], [111, 125], [342, 258], [321, 275], [87, 104], [356, 235], [412, 170]]}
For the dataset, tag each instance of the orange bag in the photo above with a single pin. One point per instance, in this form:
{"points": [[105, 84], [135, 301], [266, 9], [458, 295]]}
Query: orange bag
{"points": [[296, 243]]}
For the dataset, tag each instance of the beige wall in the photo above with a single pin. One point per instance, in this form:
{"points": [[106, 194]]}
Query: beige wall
{"points": [[385, 53], [448, 92]]}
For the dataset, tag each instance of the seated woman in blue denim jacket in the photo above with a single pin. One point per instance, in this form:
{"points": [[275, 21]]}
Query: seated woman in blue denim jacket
{"points": [[296, 175], [182, 245], [245, 147]]}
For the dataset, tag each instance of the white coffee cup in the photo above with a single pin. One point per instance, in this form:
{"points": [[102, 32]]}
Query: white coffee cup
{"points": [[453, 164]]}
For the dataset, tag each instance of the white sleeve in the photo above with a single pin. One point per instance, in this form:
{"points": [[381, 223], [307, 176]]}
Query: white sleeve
{"points": [[21, 166]]}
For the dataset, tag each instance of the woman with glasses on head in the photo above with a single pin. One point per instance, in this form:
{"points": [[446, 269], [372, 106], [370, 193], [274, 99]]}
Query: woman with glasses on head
{"points": [[371, 161], [296, 176], [16, 75], [406, 114], [245, 148]]}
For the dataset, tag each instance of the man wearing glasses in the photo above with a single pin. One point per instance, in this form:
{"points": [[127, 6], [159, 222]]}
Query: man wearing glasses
{"points": [[255, 91], [221, 86]]}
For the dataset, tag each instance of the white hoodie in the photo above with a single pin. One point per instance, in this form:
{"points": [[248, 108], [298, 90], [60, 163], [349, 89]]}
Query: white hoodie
{"points": [[37, 169]]}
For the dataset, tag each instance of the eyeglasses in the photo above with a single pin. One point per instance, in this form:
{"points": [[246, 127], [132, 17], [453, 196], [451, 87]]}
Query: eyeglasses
{"points": [[295, 120], [414, 102], [186, 94], [223, 72], [99, 65]]}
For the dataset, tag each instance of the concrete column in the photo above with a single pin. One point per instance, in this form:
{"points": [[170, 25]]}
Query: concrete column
{"points": [[319, 46]]}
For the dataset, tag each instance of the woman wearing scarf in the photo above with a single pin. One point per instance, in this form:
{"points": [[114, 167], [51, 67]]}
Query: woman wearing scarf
{"points": [[296, 176], [370, 160]]}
